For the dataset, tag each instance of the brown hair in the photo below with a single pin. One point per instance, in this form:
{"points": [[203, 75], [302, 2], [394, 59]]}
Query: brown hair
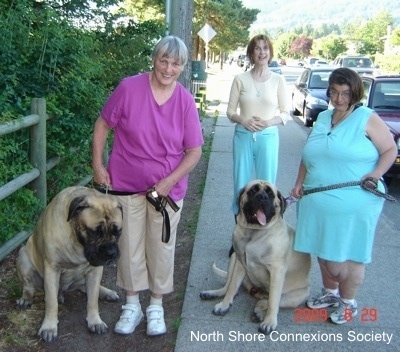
{"points": [[349, 77], [254, 42]]}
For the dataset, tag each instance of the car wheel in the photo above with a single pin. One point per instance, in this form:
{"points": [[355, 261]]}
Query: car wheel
{"points": [[307, 122], [295, 111]]}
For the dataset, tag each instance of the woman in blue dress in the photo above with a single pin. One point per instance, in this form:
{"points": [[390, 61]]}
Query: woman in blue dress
{"points": [[349, 143]]}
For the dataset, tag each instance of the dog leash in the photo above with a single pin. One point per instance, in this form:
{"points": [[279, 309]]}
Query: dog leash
{"points": [[369, 184], [159, 203]]}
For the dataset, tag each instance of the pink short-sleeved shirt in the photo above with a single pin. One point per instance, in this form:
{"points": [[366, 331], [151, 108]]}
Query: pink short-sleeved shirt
{"points": [[149, 139]]}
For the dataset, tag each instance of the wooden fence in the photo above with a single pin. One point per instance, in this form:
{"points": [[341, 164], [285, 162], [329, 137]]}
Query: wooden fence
{"points": [[36, 178]]}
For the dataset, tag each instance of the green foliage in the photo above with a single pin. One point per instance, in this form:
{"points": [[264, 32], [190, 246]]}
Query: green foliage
{"points": [[228, 18], [388, 63], [331, 46], [395, 40], [49, 51], [18, 212]]}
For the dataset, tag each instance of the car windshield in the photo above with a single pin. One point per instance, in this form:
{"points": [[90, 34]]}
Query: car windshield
{"points": [[273, 64], [386, 95], [319, 80], [357, 62]]}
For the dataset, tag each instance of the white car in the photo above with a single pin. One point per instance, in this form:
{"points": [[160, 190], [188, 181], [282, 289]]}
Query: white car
{"points": [[321, 63]]}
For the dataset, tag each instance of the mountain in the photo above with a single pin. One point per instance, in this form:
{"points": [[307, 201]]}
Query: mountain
{"points": [[289, 14]]}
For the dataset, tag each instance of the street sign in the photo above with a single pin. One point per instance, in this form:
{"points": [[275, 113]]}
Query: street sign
{"points": [[207, 33]]}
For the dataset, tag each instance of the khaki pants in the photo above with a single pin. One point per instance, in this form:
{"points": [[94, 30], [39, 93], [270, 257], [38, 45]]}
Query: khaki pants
{"points": [[146, 262]]}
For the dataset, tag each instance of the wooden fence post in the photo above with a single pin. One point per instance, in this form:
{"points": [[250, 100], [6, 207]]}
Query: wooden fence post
{"points": [[38, 149]]}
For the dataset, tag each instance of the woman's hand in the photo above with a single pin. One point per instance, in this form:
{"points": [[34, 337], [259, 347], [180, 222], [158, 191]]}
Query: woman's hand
{"points": [[164, 186], [101, 176], [297, 191], [255, 124]]}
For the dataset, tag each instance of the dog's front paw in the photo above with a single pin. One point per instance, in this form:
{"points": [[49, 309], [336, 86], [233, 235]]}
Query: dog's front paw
{"points": [[98, 328], [260, 311], [268, 325], [221, 308], [207, 295], [48, 333], [23, 303], [108, 295]]}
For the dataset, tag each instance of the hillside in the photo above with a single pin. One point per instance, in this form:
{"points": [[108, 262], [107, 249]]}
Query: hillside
{"points": [[293, 13]]}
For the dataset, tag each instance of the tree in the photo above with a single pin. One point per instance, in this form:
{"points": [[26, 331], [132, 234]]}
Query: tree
{"points": [[228, 18], [301, 46], [332, 46], [145, 10], [181, 26], [283, 43], [368, 36], [395, 39]]}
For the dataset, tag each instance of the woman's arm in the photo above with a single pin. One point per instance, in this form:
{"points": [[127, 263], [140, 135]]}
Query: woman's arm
{"points": [[190, 160], [383, 140], [100, 174], [233, 101], [297, 190]]}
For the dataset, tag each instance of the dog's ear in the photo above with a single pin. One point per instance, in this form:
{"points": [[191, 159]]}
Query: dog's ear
{"points": [[282, 202], [240, 197], [78, 204]]}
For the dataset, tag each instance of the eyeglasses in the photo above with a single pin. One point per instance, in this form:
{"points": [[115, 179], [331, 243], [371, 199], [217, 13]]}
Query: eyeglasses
{"points": [[335, 94]]}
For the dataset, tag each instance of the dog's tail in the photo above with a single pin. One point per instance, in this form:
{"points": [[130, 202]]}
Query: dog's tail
{"points": [[219, 272]]}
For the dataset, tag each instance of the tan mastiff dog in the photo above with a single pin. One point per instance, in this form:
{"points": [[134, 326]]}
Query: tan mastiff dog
{"points": [[263, 257], [75, 236]]}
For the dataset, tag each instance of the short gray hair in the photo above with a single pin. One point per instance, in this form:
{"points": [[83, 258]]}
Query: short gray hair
{"points": [[171, 47]]}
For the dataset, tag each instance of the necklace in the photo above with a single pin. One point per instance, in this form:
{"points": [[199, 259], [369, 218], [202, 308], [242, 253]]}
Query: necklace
{"points": [[258, 94], [259, 91], [334, 124]]}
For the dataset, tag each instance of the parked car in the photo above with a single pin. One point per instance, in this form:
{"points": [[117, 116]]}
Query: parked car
{"points": [[240, 60], [321, 63], [246, 64], [275, 67], [360, 64], [309, 93], [382, 93]]}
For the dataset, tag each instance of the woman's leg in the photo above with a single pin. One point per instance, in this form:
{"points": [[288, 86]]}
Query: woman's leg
{"points": [[160, 263], [131, 266], [266, 154], [349, 276], [243, 164]]}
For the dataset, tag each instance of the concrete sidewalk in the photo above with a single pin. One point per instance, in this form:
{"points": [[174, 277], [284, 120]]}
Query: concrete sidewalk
{"points": [[376, 328]]}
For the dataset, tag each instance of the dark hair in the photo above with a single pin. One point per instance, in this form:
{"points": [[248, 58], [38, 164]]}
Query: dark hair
{"points": [[254, 42], [349, 77]]}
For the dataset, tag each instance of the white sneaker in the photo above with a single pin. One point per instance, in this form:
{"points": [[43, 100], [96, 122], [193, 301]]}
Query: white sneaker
{"points": [[130, 318], [155, 320]]}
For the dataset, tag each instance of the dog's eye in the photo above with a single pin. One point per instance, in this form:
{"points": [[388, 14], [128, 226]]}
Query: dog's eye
{"points": [[115, 231], [253, 190], [270, 193]]}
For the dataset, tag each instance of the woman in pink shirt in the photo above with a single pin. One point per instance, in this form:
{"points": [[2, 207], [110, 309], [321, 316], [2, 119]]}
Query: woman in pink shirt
{"points": [[157, 142]]}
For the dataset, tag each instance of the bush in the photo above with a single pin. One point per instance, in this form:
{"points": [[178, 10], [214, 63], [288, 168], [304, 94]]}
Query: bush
{"points": [[46, 55]]}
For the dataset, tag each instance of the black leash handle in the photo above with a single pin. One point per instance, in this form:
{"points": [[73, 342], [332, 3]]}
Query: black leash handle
{"points": [[160, 203]]}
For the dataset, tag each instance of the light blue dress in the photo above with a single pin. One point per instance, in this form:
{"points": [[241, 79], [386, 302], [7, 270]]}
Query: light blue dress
{"points": [[339, 224]]}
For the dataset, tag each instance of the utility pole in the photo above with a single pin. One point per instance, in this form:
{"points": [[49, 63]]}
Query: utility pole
{"points": [[180, 24], [167, 16]]}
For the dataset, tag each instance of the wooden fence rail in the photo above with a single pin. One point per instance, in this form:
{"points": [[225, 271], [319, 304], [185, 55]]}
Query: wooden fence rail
{"points": [[36, 178]]}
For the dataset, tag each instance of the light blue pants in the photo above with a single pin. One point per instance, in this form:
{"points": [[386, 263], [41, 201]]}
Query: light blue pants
{"points": [[255, 156]]}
